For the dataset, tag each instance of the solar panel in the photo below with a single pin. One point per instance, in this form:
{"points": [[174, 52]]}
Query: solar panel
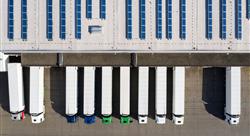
{"points": [[238, 19], [24, 20], [62, 19], [10, 19], [248, 9], [169, 32], [142, 12], [49, 20], [159, 19], [209, 21], [182, 19], [78, 19], [223, 20], [129, 19], [89, 9], [103, 9]]}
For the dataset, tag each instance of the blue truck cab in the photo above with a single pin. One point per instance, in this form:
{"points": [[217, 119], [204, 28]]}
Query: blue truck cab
{"points": [[71, 119], [89, 119]]}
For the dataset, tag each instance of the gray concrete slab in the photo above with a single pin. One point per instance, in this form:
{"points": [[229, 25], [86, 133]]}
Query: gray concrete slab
{"points": [[140, 59], [203, 109], [193, 59], [39, 59], [97, 59]]}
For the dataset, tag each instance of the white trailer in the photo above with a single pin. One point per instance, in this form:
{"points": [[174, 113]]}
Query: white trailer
{"points": [[143, 86], [3, 62], [71, 94], [125, 94], [233, 95], [178, 95], [106, 95], [89, 94], [16, 92], [161, 94], [37, 109]]}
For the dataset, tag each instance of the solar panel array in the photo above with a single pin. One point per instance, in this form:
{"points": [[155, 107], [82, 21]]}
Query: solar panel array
{"points": [[89, 9], [183, 19], [223, 19], [158, 19], [238, 19], [11, 19], [24, 20], [156, 23], [248, 9], [78, 22], [169, 22], [103, 9], [142, 12], [129, 19], [63, 19], [49, 19], [209, 20]]}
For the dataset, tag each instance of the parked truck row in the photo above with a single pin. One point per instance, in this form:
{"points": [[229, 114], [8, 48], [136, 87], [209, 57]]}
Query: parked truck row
{"points": [[36, 91]]}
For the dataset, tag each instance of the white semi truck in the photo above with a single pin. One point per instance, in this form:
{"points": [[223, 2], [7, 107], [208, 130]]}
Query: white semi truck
{"points": [[71, 94], [37, 109], [106, 95], [89, 95], [16, 92], [233, 95], [161, 94], [125, 95], [143, 86], [178, 95]]}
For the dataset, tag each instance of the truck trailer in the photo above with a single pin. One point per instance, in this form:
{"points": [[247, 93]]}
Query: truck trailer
{"points": [[37, 109], [16, 92], [161, 94], [178, 95], [106, 95], [89, 95], [233, 95], [125, 95], [3, 62], [71, 94], [143, 86]]}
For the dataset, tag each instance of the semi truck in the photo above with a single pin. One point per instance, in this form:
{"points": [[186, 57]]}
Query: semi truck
{"points": [[161, 94], [233, 95], [71, 94], [143, 86], [37, 109], [125, 95], [178, 95], [89, 95], [16, 92], [106, 95]]}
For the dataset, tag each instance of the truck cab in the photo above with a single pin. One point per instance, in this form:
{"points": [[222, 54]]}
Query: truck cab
{"points": [[106, 119], [89, 119], [125, 120], [37, 118], [232, 119], [17, 116], [160, 119], [143, 119], [71, 118], [178, 119]]}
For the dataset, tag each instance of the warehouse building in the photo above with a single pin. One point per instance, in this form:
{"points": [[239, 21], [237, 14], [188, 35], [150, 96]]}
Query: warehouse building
{"points": [[86, 34]]}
